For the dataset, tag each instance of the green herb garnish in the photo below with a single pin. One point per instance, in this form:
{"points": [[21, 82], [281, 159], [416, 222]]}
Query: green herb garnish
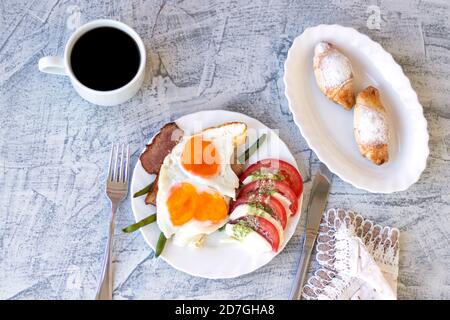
{"points": [[160, 244], [241, 230], [243, 158], [144, 191], [255, 208], [261, 174], [140, 224]]}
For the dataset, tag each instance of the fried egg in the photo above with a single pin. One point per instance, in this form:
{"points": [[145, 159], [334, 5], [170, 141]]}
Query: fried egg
{"points": [[196, 182], [189, 211]]}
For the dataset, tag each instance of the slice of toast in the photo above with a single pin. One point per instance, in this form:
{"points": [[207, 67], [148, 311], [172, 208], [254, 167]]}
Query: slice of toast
{"points": [[151, 195], [237, 129]]}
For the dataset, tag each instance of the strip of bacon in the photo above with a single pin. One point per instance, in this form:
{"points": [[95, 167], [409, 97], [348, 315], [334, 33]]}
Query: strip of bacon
{"points": [[151, 196], [161, 145]]}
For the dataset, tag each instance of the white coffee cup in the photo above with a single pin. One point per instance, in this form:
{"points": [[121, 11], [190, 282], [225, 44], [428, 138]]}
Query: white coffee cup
{"points": [[62, 66]]}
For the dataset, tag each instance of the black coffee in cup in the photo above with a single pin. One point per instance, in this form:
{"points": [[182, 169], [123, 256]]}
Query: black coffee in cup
{"points": [[105, 59]]}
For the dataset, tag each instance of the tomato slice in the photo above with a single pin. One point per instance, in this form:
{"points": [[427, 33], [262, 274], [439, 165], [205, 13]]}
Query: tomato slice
{"points": [[267, 186], [271, 204], [264, 228], [279, 169]]}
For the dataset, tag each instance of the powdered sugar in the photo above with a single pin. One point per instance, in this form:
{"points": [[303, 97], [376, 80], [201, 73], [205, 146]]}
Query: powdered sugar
{"points": [[321, 47], [372, 127], [335, 69]]}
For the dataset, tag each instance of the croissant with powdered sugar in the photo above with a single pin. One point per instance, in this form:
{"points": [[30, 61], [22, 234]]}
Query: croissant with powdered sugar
{"points": [[334, 74]]}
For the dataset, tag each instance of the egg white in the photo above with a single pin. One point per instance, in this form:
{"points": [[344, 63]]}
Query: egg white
{"points": [[189, 231], [225, 181], [192, 231]]}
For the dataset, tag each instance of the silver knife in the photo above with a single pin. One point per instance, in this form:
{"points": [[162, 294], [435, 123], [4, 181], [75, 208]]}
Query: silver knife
{"points": [[316, 207]]}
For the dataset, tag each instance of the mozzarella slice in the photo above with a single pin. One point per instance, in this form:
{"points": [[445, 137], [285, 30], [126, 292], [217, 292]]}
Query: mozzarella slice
{"points": [[285, 202], [249, 210], [252, 177], [251, 241]]}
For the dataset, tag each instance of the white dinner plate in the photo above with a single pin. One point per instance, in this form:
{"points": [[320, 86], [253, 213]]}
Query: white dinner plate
{"points": [[328, 128], [215, 259]]}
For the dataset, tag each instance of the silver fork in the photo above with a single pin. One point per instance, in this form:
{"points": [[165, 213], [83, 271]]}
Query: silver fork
{"points": [[116, 189]]}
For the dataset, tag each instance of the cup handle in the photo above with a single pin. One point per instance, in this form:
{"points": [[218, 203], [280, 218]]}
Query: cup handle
{"points": [[52, 65]]}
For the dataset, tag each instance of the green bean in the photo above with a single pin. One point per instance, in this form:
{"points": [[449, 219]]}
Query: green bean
{"points": [[135, 226], [143, 191], [243, 158], [160, 245]]}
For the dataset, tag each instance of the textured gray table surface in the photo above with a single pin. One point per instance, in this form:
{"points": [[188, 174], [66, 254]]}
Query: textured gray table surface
{"points": [[201, 55]]}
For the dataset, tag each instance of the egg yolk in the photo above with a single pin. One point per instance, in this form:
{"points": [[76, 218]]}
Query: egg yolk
{"points": [[185, 203], [212, 207], [182, 203], [200, 157]]}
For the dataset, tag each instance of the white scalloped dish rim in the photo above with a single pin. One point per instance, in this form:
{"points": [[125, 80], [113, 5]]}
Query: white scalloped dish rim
{"points": [[328, 128]]}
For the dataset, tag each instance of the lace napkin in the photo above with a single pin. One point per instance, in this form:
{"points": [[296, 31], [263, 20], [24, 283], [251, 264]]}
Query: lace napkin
{"points": [[358, 259]]}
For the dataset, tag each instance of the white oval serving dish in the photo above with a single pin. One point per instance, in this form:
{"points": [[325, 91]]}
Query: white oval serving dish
{"points": [[328, 128]]}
